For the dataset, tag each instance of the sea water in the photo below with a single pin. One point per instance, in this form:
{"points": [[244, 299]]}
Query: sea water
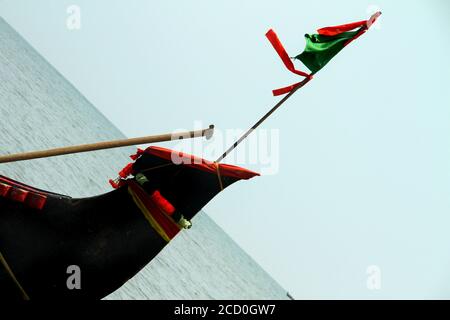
{"points": [[40, 109]]}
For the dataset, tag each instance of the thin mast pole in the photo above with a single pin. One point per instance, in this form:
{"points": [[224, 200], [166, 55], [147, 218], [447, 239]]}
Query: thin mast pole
{"points": [[107, 145], [256, 125]]}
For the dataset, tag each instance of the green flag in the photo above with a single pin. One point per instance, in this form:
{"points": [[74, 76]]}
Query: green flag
{"points": [[321, 49]]}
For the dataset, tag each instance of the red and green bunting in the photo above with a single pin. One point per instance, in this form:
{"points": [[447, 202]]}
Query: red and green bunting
{"points": [[320, 48]]}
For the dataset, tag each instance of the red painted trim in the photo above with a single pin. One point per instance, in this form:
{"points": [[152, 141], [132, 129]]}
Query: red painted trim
{"points": [[192, 161], [36, 201], [17, 194], [4, 189], [21, 185]]}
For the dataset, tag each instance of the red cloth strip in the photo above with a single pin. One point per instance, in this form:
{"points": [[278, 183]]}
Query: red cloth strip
{"points": [[164, 221], [138, 153], [366, 26], [276, 43], [126, 171], [335, 30], [373, 18], [162, 203], [113, 184], [278, 46], [279, 92]]}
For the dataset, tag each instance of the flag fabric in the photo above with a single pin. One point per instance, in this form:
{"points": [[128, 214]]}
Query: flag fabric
{"points": [[320, 48]]}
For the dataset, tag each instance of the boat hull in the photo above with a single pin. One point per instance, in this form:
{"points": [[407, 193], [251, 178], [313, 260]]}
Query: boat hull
{"points": [[45, 238], [105, 237]]}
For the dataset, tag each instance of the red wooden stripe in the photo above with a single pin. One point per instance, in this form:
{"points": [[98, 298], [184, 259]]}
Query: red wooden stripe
{"points": [[4, 189], [36, 201], [17, 194]]}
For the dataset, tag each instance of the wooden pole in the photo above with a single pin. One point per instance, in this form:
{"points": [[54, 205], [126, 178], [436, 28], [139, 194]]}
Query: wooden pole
{"points": [[107, 145], [256, 125]]}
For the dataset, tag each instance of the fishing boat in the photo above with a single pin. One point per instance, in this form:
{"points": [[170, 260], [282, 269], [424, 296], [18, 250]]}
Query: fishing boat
{"points": [[110, 237]]}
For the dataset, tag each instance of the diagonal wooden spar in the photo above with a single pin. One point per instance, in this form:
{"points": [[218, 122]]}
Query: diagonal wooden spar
{"points": [[208, 133]]}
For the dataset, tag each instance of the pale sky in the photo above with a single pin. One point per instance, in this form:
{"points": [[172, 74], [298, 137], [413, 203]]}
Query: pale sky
{"points": [[363, 173]]}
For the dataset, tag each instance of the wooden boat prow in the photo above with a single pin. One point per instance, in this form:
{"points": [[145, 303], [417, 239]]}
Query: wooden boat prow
{"points": [[43, 234]]}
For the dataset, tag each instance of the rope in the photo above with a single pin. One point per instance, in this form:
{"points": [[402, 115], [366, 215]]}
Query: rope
{"points": [[148, 215], [218, 175], [13, 277], [157, 167]]}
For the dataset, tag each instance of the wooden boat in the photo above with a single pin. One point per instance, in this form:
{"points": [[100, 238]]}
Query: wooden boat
{"points": [[108, 238]]}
